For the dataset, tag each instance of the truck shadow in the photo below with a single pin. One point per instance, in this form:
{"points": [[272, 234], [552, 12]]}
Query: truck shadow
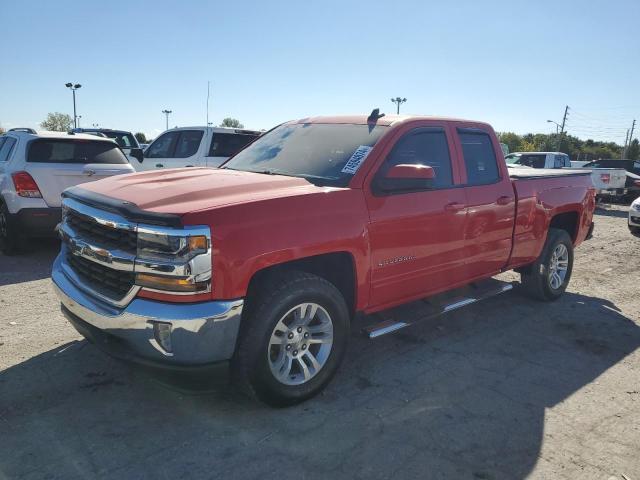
{"points": [[462, 396], [33, 264]]}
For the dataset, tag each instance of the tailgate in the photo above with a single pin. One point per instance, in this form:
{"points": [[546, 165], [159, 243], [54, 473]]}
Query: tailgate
{"points": [[608, 178]]}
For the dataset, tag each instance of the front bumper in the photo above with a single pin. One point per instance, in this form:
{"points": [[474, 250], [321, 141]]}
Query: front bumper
{"points": [[201, 333], [634, 218]]}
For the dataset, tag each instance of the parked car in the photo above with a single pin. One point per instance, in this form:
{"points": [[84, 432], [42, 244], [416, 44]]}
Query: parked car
{"points": [[609, 182], [634, 217], [34, 170], [126, 140], [263, 262], [632, 167], [195, 147]]}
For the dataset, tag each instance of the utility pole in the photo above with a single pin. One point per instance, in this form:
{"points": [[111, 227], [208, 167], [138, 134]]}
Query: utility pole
{"points": [[627, 143], [624, 149], [564, 120], [167, 112], [398, 101]]}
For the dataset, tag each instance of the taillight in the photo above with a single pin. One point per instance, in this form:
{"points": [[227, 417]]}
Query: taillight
{"points": [[605, 177], [25, 185], [636, 183]]}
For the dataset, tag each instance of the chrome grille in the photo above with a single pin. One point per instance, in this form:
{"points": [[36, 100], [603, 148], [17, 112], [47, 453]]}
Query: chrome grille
{"points": [[98, 234], [114, 284]]}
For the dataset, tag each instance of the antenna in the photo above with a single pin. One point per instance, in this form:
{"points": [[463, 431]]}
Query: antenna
{"points": [[208, 82]]}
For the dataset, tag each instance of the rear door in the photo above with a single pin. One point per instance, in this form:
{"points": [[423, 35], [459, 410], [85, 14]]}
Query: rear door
{"points": [[56, 164], [174, 149], [490, 202], [225, 145]]}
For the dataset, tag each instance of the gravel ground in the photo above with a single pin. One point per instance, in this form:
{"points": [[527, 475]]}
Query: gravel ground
{"points": [[506, 389]]}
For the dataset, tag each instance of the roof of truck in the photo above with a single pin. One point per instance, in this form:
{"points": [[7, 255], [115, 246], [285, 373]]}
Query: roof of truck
{"points": [[386, 120]]}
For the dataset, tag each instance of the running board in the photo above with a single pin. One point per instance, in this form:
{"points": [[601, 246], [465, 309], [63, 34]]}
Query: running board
{"points": [[439, 305]]}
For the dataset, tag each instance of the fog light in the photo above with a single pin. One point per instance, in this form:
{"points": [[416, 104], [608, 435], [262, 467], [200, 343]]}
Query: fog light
{"points": [[162, 334]]}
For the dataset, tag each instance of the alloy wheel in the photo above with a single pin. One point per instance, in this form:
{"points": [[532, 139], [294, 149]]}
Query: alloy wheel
{"points": [[558, 266], [300, 344]]}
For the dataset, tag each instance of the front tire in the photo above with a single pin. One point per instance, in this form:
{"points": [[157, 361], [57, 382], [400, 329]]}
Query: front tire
{"points": [[293, 339], [635, 231], [547, 278]]}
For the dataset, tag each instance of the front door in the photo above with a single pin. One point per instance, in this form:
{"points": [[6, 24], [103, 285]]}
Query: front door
{"points": [[174, 149], [416, 238]]}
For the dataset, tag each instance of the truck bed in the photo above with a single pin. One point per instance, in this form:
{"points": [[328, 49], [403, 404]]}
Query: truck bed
{"points": [[521, 172]]}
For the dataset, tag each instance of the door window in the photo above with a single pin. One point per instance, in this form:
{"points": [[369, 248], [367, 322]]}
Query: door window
{"points": [[6, 145], [479, 157], [188, 143], [424, 146], [228, 144], [163, 146]]}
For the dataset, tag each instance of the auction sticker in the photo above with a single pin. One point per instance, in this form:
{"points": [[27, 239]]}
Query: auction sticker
{"points": [[356, 159]]}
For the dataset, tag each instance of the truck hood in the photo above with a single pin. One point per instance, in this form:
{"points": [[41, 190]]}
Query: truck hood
{"points": [[183, 190]]}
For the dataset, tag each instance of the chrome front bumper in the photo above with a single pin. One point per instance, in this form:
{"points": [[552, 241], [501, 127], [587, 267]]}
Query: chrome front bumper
{"points": [[201, 333]]}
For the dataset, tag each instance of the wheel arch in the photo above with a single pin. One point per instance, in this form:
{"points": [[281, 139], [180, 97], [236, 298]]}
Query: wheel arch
{"points": [[338, 268], [567, 221]]}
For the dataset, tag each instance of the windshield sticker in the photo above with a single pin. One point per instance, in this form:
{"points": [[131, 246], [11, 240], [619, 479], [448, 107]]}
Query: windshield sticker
{"points": [[356, 159]]}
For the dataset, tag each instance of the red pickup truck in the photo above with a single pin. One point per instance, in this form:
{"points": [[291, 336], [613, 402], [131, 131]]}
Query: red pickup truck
{"points": [[261, 265]]}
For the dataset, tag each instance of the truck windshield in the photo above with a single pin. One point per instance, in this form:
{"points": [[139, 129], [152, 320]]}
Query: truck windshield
{"points": [[328, 154]]}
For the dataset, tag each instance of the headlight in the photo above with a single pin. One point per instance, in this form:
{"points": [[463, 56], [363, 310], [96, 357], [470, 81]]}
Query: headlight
{"points": [[170, 245], [174, 260], [636, 206]]}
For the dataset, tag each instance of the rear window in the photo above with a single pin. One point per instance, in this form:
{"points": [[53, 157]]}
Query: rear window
{"points": [[74, 151], [535, 161], [228, 144]]}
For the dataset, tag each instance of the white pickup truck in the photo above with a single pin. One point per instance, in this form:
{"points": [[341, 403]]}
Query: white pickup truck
{"points": [[194, 147], [609, 182]]}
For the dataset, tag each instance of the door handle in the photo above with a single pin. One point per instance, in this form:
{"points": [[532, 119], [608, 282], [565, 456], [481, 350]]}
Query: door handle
{"points": [[504, 200], [453, 207], [159, 165]]}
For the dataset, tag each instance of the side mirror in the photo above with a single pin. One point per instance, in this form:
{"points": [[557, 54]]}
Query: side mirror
{"points": [[137, 154], [407, 177]]}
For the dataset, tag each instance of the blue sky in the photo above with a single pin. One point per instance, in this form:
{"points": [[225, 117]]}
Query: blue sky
{"points": [[514, 64]]}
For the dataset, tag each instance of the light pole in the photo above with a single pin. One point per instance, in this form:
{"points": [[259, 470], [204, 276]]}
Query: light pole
{"points": [[398, 101], [557, 125], [167, 112], [95, 125], [73, 88], [79, 117]]}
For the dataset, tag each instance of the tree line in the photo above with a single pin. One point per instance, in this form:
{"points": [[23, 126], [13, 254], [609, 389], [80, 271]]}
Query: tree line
{"points": [[576, 148]]}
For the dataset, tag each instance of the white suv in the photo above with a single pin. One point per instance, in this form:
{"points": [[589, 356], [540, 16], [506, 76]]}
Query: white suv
{"points": [[34, 170], [195, 147], [634, 217]]}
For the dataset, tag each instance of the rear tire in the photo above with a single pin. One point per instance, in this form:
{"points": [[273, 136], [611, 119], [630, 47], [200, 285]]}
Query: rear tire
{"points": [[9, 237], [292, 339], [547, 278]]}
